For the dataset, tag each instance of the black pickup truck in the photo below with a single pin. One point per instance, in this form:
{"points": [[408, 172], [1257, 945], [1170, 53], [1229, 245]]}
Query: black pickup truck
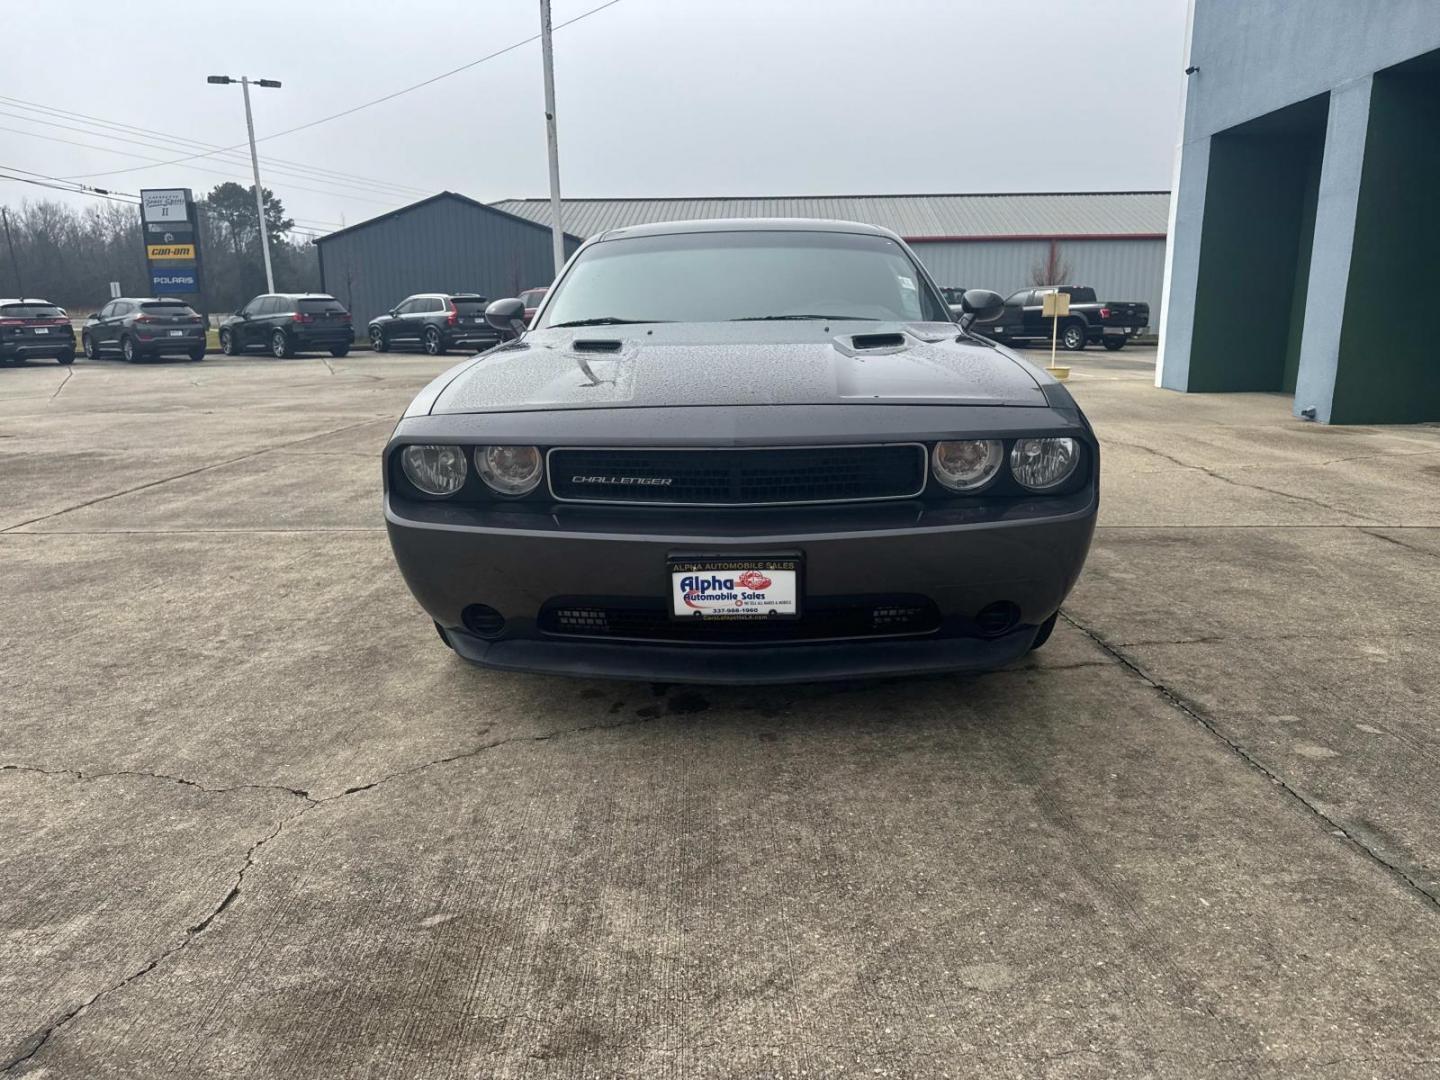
{"points": [[1090, 322]]}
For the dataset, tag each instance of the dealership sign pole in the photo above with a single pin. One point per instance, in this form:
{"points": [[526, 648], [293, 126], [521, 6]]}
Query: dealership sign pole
{"points": [[172, 241]]}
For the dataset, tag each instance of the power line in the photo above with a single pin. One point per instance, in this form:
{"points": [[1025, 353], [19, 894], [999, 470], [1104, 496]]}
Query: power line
{"points": [[154, 146], [197, 168], [282, 164], [364, 105], [81, 190]]}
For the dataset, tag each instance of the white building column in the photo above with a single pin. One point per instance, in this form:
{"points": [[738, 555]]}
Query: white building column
{"points": [[1182, 266], [1335, 209]]}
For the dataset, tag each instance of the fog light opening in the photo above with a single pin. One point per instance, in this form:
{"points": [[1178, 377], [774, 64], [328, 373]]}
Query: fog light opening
{"points": [[483, 621], [998, 618]]}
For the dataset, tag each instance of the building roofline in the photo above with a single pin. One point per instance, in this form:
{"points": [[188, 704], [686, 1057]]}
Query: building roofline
{"points": [[977, 238], [434, 198], [869, 195]]}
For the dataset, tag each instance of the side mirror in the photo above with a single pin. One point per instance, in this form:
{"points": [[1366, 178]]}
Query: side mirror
{"points": [[507, 316], [981, 305]]}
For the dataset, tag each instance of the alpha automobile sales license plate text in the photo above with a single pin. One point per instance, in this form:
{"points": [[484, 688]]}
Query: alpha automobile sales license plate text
{"points": [[735, 588]]}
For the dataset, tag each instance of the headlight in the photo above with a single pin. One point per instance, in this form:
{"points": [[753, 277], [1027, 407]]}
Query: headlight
{"points": [[1042, 464], [510, 470], [435, 470], [968, 465]]}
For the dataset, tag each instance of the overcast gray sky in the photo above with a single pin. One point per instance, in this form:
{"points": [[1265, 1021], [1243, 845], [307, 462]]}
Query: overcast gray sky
{"points": [[655, 97]]}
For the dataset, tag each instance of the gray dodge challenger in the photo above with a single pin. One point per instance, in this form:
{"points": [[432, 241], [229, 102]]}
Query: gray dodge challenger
{"points": [[742, 452]]}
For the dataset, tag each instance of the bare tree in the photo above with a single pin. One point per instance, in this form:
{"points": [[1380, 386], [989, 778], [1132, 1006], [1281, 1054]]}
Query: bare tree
{"points": [[1054, 269]]}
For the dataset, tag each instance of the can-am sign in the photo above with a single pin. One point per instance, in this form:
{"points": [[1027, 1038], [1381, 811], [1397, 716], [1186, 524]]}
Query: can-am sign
{"points": [[165, 205]]}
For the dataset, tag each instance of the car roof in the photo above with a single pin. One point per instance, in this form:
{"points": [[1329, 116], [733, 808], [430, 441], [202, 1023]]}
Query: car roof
{"points": [[149, 300], [669, 228], [26, 300]]}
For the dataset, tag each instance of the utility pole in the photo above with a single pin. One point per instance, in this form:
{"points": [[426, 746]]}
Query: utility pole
{"points": [[557, 231], [273, 84], [14, 262]]}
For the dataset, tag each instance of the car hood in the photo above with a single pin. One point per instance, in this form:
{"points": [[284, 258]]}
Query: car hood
{"points": [[710, 364]]}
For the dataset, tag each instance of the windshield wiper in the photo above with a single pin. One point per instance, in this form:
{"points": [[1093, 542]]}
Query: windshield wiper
{"points": [[604, 320], [774, 318]]}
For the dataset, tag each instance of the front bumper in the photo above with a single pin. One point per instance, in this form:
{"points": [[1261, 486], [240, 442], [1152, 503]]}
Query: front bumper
{"points": [[1027, 553]]}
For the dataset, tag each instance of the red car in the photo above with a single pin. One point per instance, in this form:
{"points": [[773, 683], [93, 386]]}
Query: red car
{"points": [[532, 299]]}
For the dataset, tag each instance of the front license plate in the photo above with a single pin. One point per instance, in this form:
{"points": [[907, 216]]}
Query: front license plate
{"points": [[40, 330], [742, 588]]}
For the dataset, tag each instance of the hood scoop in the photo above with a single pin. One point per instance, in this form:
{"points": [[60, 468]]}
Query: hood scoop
{"points": [[877, 341], [595, 345], [876, 344]]}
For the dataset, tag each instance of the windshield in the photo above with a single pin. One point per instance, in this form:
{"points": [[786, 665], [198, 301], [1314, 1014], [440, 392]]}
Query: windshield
{"points": [[727, 276], [469, 304], [163, 307], [321, 304]]}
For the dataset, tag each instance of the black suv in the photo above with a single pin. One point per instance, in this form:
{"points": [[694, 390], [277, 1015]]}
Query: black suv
{"points": [[435, 322], [287, 323], [30, 327], [137, 327]]}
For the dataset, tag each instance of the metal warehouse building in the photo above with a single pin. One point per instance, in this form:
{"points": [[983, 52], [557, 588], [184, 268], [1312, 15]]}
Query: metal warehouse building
{"points": [[1114, 241], [446, 243], [1306, 228]]}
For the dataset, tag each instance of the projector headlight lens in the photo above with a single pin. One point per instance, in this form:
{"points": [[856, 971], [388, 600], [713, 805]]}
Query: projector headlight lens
{"points": [[968, 465], [510, 470], [435, 470], [1042, 464]]}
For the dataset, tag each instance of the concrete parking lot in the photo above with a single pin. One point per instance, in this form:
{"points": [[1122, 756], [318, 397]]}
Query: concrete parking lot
{"points": [[258, 822]]}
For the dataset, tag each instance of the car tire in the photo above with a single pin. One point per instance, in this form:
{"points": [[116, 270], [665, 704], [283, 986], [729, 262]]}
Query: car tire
{"points": [[1043, 634], [1114, 342], [378, 341], [92, 351], [227, 344], [129, 349], [197, 354], [338, 351], [1072, 336], [433, 342], [281, 347], [66, 357]]}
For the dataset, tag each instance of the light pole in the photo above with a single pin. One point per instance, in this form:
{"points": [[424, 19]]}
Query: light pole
{"points": [[273, 84], [557, 232]]}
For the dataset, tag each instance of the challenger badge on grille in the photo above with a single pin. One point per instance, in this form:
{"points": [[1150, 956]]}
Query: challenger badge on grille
{"points": [[650, 481]]}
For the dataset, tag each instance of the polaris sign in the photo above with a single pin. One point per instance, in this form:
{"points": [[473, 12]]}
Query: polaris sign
{"points": [[166, 280]]}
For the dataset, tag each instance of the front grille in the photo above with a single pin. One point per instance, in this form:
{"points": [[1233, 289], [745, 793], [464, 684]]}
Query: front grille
{"points": [[824, 619], [763, 476]]}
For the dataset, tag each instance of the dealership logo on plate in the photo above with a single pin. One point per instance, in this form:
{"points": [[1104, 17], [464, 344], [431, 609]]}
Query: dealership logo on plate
{"points": [[753, 579]]}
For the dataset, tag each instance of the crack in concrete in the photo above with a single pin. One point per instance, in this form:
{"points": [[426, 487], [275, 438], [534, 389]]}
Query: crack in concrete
{"points": [[1240, 484], [69, 372], [1400, 543], [80, 774], [188, 472], [1179, 702], [38, 1041]]}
